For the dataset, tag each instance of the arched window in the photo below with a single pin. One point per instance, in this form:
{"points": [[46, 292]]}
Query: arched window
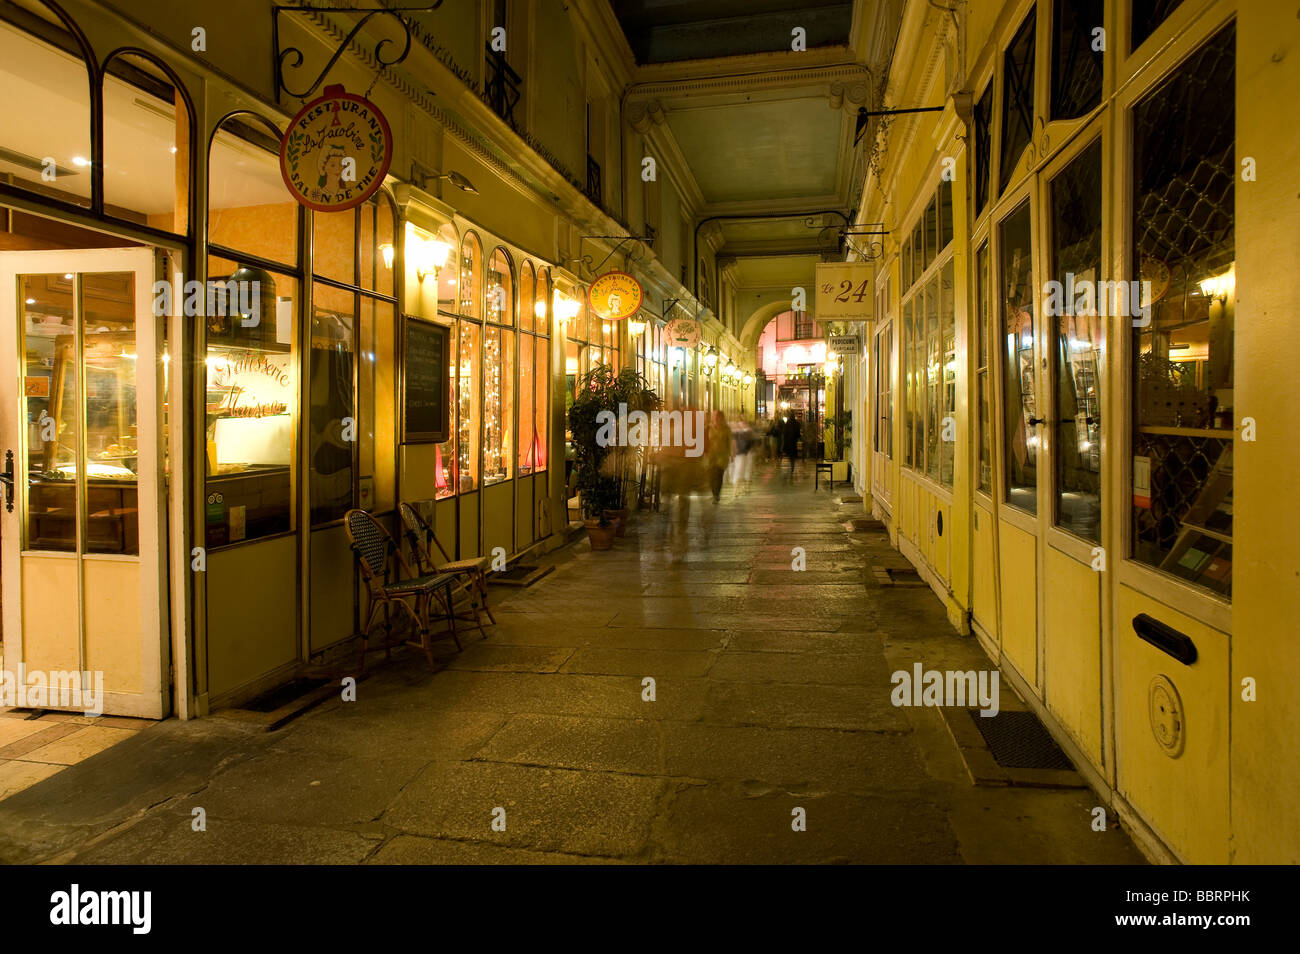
{"points": [[469, 369], [253, 300], [499, 370], [147, 143], [45, 118]]}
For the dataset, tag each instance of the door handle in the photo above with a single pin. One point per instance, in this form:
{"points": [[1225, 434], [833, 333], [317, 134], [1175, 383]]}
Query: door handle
{"points": [[1037, 420], [7, 477]]}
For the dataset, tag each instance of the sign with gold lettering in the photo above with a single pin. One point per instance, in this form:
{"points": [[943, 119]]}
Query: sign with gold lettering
{"points": [[615, 296], [336, 152], [844, 291]]}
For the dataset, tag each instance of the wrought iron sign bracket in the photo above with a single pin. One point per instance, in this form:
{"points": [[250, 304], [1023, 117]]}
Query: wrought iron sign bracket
{"points": [[864, 114], [635, 253], [292, 53]]}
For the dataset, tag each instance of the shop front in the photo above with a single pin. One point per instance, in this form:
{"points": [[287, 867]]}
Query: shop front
{"points": [[209, 373]]}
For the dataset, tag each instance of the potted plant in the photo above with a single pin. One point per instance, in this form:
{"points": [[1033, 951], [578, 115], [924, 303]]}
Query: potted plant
{"points": [[601, 464]]}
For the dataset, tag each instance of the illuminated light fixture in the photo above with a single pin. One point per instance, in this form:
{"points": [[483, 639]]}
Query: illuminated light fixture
{"points": [[635, 327], [1220, 287], [429, 255], [566, 308], [80, 161], [386, 251], [710, 358], [173, 150], [68, 276], [31, 301], [539, 309], [748, 379]]}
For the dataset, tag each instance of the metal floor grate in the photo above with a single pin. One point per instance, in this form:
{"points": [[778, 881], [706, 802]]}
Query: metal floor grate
{"points": [[1018, 740], [896, 576]]}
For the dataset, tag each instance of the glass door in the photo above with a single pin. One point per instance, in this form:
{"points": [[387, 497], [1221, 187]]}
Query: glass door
{"points": [[83, 531]]}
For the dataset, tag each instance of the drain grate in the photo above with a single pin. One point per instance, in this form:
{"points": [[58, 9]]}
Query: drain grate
{"points": [[867, 523], [521, 574], [896, 576], [1018, 740]]}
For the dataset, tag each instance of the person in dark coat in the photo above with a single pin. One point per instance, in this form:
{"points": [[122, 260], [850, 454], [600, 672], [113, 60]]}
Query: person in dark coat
{"points": [[790, 441]]}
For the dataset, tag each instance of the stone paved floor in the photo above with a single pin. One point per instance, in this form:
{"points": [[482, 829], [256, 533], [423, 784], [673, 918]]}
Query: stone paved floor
{"points": [[771, 694]]}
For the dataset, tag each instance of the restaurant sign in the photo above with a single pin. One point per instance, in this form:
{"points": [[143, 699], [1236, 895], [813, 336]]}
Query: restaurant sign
{"points": [[842, 344], [336, 152], [615, 296], [844, 291], [683, 333]]}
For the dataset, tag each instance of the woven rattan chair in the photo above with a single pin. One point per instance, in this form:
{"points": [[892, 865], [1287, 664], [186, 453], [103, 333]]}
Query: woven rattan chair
{"points": [[471, 574], [383, 569]]}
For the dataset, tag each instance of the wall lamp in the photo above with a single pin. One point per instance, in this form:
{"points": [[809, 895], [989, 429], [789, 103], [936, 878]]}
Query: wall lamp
{"points": [[566, 308], [427, 255], [710, 359]]}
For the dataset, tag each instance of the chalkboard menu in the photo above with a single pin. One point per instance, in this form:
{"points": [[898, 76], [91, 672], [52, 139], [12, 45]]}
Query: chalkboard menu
{"points": [[426, 353]]}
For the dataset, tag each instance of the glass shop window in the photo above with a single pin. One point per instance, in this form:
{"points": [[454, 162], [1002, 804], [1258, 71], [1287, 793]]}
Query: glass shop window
{"points": [[469, 371], [527, 384], [932, 381], [61, 389], [334, 245], [1076, 66], [332, 362], [983, 148], [983, 384], [1019, 388], [1078, 330], [909, 386], [249, 208], [446, 457], [499, 372], [251, 403], [1017, 99], [1182, 369], [43, 75], [1146, 16], [468, 423], [376, 427], [146, 145], [376, 245], [947, 374]]}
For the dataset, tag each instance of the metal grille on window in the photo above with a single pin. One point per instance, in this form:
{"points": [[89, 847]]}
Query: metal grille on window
{"points": [[1076, 61], [983, 148], [1017, 98], [1184, 251]]}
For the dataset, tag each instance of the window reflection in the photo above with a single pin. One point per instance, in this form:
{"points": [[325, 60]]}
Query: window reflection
{"points": [[1019, 389], [1078, 330]]}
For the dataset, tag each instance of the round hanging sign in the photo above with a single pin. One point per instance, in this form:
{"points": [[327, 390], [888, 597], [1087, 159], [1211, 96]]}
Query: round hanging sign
{"points": [[682, 333], [615, 296], [336, 152]]}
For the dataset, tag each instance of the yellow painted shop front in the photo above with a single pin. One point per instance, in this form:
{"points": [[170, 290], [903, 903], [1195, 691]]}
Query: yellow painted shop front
{"points": [[203, 375]]}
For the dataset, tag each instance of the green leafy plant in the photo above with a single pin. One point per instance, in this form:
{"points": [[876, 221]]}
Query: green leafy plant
{"points": [[602, 470]]}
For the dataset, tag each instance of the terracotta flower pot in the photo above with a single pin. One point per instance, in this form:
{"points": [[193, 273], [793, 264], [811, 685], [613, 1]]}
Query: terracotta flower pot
{"points": [[619, 519], [602, 538]]}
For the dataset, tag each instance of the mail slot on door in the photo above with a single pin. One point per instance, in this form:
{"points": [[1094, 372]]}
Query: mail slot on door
{"points": [[1165, 638]]}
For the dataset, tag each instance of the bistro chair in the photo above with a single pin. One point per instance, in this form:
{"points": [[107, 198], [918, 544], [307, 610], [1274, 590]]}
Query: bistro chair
{"points": [[382, 567], [471, 574]]}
